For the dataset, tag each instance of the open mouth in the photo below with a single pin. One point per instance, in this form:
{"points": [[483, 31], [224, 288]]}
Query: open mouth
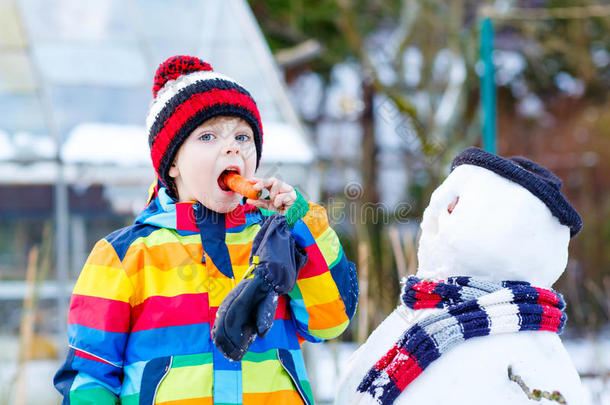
{"points": [[221, 182]]}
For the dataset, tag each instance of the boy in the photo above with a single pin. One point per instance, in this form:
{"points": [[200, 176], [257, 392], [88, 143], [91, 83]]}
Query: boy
{"points": [[142, 311]]}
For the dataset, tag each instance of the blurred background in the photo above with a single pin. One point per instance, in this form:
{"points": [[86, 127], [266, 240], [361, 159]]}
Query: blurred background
{"points": [[364, 104]]}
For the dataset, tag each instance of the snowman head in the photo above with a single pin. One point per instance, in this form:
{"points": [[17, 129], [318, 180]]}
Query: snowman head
{"points": [[497, 219]]}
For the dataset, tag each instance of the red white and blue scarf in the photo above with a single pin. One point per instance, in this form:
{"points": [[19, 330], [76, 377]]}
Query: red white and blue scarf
{"points": [[470, 307]]}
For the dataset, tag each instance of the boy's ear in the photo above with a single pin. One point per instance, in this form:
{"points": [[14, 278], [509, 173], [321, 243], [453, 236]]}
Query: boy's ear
{"points": [[174, 171]]}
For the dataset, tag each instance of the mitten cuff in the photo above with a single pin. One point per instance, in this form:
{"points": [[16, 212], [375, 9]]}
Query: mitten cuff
{"points": [[297, 210]]}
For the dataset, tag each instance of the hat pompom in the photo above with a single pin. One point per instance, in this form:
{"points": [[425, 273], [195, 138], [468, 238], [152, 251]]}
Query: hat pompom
{"points": [[177, 66]]}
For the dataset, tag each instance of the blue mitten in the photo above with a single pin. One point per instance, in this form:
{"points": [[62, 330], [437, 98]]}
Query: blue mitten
{"points": [[249, 309]]}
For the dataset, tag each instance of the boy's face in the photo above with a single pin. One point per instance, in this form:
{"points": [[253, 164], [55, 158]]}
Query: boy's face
{"points": [[217, 144]]}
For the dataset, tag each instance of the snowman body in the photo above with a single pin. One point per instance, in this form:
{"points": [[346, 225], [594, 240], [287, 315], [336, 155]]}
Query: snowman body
{"points": [[482, 225]]}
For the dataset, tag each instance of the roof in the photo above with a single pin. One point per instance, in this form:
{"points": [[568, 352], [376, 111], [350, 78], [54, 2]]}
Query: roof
{"points": [[98, 144]]}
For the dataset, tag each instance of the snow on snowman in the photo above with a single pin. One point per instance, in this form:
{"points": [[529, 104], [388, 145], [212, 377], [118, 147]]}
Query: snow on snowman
{"points": [[479, 322]]}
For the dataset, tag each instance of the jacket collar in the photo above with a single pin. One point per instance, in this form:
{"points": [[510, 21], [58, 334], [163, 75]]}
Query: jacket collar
{"points": [[165, 212], [191, 216]]}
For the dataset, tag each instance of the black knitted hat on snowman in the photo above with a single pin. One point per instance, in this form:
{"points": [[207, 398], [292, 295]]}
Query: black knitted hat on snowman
{"points": [[533, 177]]}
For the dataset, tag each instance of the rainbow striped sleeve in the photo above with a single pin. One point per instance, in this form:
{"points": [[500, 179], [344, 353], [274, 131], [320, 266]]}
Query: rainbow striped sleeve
{"points": [[98, 326], [325, 296]]}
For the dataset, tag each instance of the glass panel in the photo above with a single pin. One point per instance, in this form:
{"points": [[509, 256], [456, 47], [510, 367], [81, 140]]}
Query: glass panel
{"points": [[267, 108], [180, 19], [10, 31], [98, 64], [239, 62], [164, 48], [243, 65], [222, 25], [21, 112], [77, 104], [98, 70], [16, 73], [77, 20]]}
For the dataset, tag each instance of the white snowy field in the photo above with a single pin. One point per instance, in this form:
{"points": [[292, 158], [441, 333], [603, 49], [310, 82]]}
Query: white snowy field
{"points": [[324, 362], [590, 356], [38, 376]]}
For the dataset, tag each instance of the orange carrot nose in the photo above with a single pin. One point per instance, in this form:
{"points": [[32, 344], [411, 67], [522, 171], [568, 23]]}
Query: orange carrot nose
{"points": [[240, 185]]}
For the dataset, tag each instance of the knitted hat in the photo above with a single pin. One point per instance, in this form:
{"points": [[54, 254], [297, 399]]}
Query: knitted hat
{"points": [[535, 178], [186, 93]]}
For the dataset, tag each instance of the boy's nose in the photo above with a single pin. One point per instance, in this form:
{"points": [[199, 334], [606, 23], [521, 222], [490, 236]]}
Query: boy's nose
{"points": [[231, 147]]}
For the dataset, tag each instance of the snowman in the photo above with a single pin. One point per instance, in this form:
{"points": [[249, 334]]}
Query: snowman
{"points": [[479, 322]]}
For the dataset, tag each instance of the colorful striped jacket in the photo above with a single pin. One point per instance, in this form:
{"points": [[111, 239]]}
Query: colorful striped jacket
{"points": [[144, 304]]}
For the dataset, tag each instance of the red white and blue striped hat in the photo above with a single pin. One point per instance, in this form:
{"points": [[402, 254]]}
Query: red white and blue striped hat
{"points": [[186, 93]]}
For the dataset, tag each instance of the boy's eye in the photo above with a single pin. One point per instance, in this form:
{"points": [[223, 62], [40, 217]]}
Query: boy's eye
{"points": [[206, 137], [242, 137]]}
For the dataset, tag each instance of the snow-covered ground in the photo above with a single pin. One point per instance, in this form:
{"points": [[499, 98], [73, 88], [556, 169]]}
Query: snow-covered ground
{"points": [[324, 362], [38, 374], [590, 356]]}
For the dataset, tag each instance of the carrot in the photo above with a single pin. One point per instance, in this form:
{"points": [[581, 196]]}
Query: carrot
{"points": [[240, 185]]}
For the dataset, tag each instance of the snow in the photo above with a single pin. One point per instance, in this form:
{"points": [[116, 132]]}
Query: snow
{"points": [[306, 93], [324, 363], [326, 360], [35, 173], [6, 147], [38, 376], [413, 61], [508, 64], [339, 139], [344, 94], [569, 84], [101, 143], [530, 106], [119, 155], [282, 143], [38, 382], [82, 176], [127, 146], [600, 56], [34, 145], [455, 69], [590, 355], [26, 146], [15, 290]]}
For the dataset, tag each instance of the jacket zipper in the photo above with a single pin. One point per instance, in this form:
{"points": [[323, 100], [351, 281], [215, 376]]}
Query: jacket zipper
{"points": [[297, 386], [167, 368]]}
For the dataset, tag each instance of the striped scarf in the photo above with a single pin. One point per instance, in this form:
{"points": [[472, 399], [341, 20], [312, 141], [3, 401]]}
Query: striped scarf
{"points": [[469, 307]]}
